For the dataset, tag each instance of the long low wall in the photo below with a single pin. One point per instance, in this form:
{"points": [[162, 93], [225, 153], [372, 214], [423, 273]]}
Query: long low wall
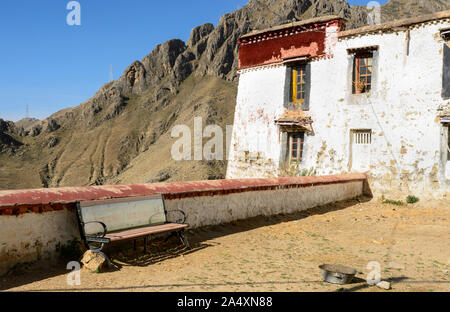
{"points": [[34, 222]]}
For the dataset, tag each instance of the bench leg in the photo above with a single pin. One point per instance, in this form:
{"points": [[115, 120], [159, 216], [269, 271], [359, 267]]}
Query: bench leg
{"points": [[168, 237], [96, 248], [145, 244], [108, 261], [184, 240]]}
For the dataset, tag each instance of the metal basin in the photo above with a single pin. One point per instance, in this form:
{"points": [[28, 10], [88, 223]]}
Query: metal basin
{"points": [[337, 273]]}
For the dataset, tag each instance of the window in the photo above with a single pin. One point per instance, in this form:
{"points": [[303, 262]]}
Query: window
{"points": [[362, 72], [298, 83], [296, 146], [362, 137], [446, 72]]}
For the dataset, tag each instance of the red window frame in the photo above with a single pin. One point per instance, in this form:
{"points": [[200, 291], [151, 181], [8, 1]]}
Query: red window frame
{"points": [[296, 143], [363, 72]]}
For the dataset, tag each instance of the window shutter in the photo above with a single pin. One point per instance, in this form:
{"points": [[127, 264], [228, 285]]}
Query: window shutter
{"points": [[284, 147], [446, 73]]}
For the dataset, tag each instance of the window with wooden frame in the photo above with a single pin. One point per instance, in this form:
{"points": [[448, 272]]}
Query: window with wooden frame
{"points": [[299, 80], [362, 72], [295, 142]]}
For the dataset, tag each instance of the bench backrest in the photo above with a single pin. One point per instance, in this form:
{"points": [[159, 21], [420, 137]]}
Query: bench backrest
{"points": [[122, 214]]}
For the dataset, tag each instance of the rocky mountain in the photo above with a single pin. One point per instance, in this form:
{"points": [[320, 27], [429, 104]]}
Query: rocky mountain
{"points": [[26, 123], [123, 133]]}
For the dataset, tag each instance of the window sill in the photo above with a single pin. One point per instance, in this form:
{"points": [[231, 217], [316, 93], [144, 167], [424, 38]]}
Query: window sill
{"points": [[363, 93], [298, 106], [360, 98]]}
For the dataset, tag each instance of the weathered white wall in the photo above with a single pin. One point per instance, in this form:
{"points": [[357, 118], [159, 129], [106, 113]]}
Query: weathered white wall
{"points": [[213, 210], [401, 110], [32, 237], [260, 101]]}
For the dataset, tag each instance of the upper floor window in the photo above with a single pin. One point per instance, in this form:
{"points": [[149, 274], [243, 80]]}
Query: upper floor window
{"points": [[298, 83], [362, 72]]}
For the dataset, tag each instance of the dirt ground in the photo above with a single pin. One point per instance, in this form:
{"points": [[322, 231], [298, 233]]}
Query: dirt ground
{"points": [[282, 253]]}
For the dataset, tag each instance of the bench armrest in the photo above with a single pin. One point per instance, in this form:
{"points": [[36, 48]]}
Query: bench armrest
{"points": [[182, 216], [105, 229]]}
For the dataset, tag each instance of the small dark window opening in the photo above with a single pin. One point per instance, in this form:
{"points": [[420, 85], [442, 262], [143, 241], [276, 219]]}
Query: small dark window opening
{"points": [[446, 71], [296, 142], [362, 72]]}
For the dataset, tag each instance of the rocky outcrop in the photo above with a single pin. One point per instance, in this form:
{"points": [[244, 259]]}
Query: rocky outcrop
{"points": [[26, 123], [198, 33], [8, 142]]}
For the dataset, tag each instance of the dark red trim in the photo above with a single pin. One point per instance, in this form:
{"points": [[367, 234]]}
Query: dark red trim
{"points": [[276, 46], [16, 202], [34, 208]]}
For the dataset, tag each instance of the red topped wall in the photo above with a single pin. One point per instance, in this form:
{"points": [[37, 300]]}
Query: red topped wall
{"points": [[18, 201], [291, 41], [272, 51]]}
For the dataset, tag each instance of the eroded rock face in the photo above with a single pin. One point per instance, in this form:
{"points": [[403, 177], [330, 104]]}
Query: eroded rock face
{"points": [[7, 126], [7, 141], [51, 125], [325, 7], [159, 64], [198, 33], [134, 79]]}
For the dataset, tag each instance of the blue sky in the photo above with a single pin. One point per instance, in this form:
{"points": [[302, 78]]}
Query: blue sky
{"points": [[49, 65]]}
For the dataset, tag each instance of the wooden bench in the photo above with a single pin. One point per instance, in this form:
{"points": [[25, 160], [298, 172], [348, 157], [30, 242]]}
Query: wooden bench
{"points": [[106, 221]]}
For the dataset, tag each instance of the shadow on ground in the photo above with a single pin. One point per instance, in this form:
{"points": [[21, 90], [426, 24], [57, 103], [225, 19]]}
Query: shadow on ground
{"points": [[160, 250]]}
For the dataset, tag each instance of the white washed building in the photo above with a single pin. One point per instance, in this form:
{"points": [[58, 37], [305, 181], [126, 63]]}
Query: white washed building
{"points": [[316, 99]]}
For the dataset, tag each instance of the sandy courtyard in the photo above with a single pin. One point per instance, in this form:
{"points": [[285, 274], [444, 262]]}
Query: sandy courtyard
{"points": [[281, 253]]}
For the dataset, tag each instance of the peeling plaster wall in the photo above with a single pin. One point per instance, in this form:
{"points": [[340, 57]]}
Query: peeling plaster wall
{"points": [[255, 143], [34, 237], [213, 210], [401, 112]]}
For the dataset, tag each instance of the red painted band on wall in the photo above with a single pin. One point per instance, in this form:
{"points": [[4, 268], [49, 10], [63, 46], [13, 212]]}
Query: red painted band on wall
{"points": [[35, 208], [41, 200], [271, 51]]}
